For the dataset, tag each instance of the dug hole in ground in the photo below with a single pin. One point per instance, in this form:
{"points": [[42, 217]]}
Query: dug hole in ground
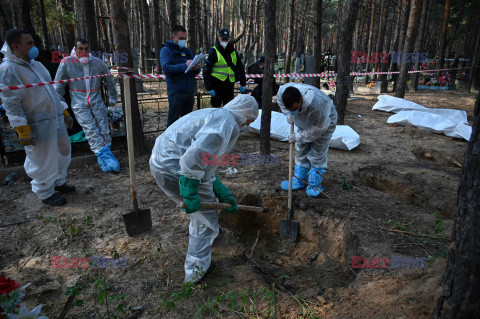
{"points": [[394, 195]]}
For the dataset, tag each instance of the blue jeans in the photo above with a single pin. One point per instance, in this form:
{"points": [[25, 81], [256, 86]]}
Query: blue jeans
{"points": [[179, 104]]}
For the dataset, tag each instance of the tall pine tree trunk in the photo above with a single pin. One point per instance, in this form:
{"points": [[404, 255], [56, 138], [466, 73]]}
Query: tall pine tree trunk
{"points": [[191, 25], [291, 30], [270, 45], [25, 7], [344, 49], [172, 13], [419, 45], [443, 37], [147, 34], [461, 293], [122, 44], [317, 41], [158, 32], [46, 40], [408, 47]]}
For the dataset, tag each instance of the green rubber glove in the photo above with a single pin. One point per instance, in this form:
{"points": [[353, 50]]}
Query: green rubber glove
{"points": [[224, 196], [189, 192]]}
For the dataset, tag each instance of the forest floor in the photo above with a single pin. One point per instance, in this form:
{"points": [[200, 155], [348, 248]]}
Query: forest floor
{"points": [[394, 195]]}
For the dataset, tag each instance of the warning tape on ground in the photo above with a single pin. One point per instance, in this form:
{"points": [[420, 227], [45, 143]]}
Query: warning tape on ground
{"points": [[162, 76]]}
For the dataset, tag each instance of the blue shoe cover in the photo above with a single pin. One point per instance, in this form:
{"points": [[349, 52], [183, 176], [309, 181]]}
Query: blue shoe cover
{"points": [[301, 172], [315, 180], [112, 157], [107, 162]]}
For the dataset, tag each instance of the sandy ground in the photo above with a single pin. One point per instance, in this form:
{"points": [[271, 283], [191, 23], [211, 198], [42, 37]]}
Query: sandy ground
{"points": [[402, 180]]}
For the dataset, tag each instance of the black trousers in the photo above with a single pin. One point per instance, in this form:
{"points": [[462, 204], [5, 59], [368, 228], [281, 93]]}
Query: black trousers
{"points": [[223, 92]]}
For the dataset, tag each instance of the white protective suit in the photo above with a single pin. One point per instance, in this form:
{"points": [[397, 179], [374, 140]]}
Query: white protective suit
{"points": [[87, 103], [178, 151], [41, 108], [316, 123]]}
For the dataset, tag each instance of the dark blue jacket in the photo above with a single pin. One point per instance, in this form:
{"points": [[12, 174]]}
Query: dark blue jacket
{"points": [[173, 59]]}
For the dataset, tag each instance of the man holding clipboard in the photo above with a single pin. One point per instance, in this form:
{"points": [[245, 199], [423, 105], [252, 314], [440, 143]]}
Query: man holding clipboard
{"points": [[175, 59]]}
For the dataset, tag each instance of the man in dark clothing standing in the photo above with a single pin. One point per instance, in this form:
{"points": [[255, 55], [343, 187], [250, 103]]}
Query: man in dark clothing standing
{"points": [[175, 58], [222, 68]]}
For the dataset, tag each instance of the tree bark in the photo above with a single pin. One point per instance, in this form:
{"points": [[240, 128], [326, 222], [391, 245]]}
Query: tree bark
{"points": [[370, 38], [86, 24], [419, 45], [344, 48], [241, 32], [191, 25], [122, 44], [270, 45], [301, 34], [317, 41], [158, 32], [455, 29], [291, 30], [443, 37], [409, 45], [172, 13], [147, 34], [46, 40], [401, 38], [25, 7], [474, 79], [460, 297], [206, 28]]}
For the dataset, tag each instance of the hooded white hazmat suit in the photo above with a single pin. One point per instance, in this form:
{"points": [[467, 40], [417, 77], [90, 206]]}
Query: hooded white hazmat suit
{"points": [[178, 151], [41, 108], [87, 103], [316, 123]]}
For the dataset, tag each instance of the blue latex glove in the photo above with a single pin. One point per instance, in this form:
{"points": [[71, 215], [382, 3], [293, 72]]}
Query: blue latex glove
{"points": [[107, 161], [212, 93], [242, 89]]}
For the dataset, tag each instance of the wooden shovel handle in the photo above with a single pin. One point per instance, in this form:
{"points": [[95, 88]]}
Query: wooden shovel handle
{"points": [[215, 205], [128, 120], [290, 170]]}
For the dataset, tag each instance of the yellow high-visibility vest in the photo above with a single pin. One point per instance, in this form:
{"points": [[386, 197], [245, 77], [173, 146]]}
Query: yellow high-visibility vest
{"points": [[221, 70]]}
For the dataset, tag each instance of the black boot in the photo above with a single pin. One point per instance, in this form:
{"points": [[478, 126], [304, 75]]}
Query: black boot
{"points": [[65, 188], [55, 200]]}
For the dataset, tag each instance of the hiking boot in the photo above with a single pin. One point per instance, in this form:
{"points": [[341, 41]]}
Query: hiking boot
{"points": [[55, 200], [65, 188]]}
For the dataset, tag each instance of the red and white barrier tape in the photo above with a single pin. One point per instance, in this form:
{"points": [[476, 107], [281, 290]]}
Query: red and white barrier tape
{"points": [[162, 76]]}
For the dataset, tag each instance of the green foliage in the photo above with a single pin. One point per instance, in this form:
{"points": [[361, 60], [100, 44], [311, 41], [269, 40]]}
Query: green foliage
{"points": [[71, 227], [346, 184], [88, 221], [55, 16], [169, 302], [438, 226], [100, 295], [396, 225]]}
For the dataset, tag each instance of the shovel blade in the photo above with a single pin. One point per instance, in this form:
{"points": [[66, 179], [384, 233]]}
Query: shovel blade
{"points": [[288, 229], [138, 222]]}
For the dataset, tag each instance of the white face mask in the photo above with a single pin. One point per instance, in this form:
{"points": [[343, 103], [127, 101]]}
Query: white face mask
{"points": [[224, 44]]}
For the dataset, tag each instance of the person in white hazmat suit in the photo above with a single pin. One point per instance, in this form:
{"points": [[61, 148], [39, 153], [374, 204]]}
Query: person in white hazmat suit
{"points": [[178, 167], [87, 103], [315, 116], [39, 117]]}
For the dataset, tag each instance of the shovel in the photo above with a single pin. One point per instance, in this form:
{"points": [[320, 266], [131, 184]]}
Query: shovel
{"points": [[289, 226], [139, 220], [243, 208]]}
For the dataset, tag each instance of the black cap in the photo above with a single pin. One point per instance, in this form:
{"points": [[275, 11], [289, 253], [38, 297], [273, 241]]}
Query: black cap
{"points": [[261, 60], [224, 33]]}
